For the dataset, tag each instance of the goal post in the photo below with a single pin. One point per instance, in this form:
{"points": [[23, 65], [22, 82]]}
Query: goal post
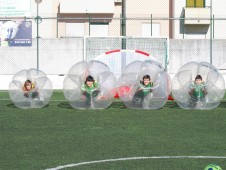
{"points": [[155, 46]]}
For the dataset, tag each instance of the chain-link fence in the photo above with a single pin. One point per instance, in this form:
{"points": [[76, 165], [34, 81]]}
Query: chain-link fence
{"points": [[61, 41], [56, 56]]}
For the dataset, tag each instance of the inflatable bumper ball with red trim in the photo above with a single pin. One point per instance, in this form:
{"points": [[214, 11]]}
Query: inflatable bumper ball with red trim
{"points": [[198, 86], [30, 89], [136, 93], [83, 95]]}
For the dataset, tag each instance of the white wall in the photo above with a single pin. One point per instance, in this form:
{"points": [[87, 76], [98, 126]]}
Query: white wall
{"points": [[187, 50], [58, 55], [87, 6]]}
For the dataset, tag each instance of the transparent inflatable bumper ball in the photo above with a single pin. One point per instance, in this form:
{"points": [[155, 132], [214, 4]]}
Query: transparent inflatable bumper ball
{"points": [[135, 94], [38, 92], [100, 97], [191, 95]]}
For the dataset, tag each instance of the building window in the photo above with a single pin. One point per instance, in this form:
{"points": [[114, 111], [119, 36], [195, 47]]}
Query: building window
{"points": [[99, 29], [195, 3], [75, 29], [148, 30]]}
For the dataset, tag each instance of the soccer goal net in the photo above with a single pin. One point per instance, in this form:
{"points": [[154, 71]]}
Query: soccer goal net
{"points": [[155, 47]]}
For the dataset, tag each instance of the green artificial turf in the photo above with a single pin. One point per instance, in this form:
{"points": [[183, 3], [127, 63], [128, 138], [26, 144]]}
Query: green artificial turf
{"points": [[59, 135]]}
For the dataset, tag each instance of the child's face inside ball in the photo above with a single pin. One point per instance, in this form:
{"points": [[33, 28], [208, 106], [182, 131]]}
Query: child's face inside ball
{"points": [[146, 81], [89, 83], [28, 86], [198, 81]]}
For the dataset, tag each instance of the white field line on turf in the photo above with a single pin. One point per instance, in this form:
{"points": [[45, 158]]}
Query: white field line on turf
{"points": [[137, 158]]}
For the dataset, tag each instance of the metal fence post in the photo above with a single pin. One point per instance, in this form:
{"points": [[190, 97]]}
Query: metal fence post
{"points": [[37, 21], [211, 37]]}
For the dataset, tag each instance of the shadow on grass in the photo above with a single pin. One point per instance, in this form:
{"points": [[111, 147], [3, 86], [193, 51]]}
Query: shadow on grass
{"points": [[222, 104], [65, 105], [12, 105], [172, 104], [118, 105], [175, 106]]}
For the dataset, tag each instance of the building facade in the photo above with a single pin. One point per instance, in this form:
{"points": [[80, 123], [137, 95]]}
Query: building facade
{"points": [[72, 18], [187, 27]]}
